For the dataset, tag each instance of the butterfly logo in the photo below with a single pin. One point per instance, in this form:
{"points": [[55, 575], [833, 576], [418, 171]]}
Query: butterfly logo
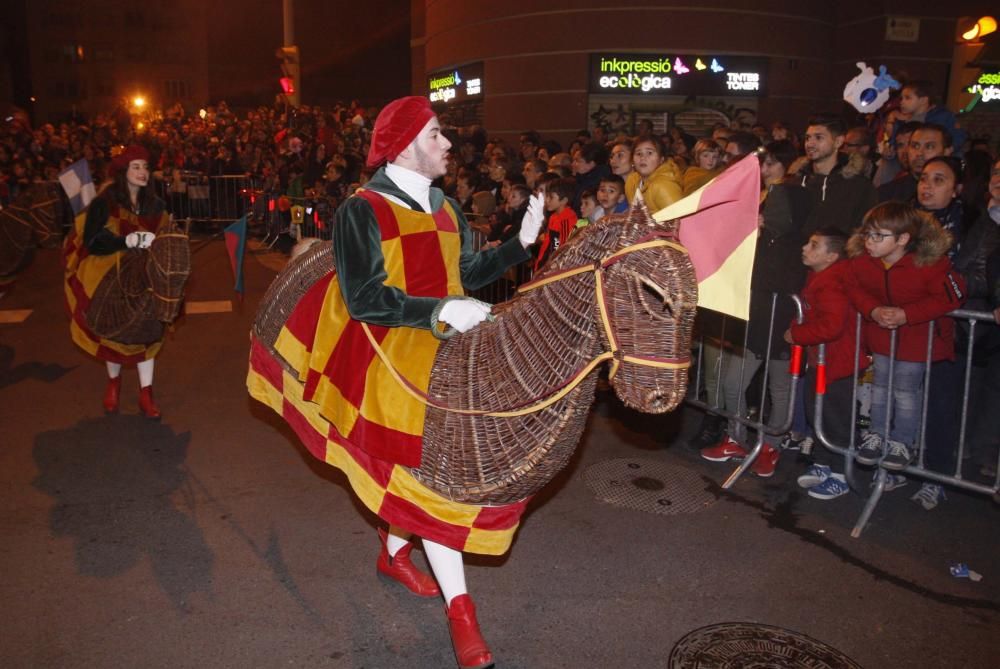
{"points": [[680, 67], [698, 65], [716, 67]]}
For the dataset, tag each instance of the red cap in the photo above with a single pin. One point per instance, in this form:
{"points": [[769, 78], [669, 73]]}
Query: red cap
{"points": [[134, 152], [397, 125]]}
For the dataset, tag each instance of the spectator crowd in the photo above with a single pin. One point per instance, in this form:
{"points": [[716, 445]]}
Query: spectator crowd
{"points": [[895, 217]]}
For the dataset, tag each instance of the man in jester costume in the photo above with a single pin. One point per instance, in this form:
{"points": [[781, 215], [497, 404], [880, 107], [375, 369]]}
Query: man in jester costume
{"points": [[401, 247]]}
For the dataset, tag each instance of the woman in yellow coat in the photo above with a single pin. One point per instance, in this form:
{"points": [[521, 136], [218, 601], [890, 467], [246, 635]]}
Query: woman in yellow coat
{"points": [[655, 176]]}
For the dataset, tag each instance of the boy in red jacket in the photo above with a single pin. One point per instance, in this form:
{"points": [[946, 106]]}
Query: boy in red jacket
{"points": [[828, 318], [903, 282]]}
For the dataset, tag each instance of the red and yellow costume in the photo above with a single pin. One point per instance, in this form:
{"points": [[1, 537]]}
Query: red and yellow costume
{"points": [[341, 400], [85, 268]]}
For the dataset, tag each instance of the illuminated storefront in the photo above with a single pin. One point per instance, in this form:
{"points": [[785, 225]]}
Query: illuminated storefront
{"points": [[457, 94], [693, 91]]}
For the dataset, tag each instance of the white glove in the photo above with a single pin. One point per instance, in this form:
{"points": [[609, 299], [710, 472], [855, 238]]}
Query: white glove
{"points": [[139, 240], [531, 224], [463, 315]]}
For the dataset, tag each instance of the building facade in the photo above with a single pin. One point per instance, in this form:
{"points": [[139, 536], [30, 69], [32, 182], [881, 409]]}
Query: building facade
{"points": [[560, 66], [87, 57]]}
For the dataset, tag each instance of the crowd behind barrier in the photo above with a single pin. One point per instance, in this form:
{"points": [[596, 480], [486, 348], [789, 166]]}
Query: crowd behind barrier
{"points": [[976, 411]]}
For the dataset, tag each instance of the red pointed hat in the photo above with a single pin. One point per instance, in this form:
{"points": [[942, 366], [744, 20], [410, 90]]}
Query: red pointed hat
{"points": [[397, 124], [134, 152]]}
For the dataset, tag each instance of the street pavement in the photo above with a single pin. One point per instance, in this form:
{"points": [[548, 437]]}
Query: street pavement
{"points": [[212, 538]]}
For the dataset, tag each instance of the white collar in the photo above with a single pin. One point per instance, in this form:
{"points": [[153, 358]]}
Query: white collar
{"points": [[416, 185]]}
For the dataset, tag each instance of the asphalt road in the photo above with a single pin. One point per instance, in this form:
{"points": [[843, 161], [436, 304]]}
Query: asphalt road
{"points": [[212, 539]]}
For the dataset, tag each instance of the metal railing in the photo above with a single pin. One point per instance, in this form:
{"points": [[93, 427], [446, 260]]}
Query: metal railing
{"points": [[757, 423], [918, 469], [820, 428]]}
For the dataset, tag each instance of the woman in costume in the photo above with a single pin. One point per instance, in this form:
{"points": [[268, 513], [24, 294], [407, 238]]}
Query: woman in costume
{"points": [[125, 217]]}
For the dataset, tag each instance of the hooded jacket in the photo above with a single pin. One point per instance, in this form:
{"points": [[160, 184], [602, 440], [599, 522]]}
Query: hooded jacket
{"points": [[923, 283], [841, 198], [828, 319]]}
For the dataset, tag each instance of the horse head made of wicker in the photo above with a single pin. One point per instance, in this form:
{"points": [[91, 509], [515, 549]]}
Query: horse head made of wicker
{"points": [[144, 292], [34, 218], [623, 291]]}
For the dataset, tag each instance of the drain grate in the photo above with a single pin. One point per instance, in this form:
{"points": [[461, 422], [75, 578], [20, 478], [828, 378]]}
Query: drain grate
{"points": [[754, 646], [648, 485]]}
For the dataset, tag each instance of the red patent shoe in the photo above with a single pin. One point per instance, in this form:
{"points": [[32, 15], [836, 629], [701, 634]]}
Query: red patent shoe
{"points": [[147, 405], [111, 395], [401, 569], [470, 648]]}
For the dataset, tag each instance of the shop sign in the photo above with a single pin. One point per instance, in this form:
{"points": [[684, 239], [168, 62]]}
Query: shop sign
{"points": [[987, 87], [456, 84], [676, 74], [902, 29]]}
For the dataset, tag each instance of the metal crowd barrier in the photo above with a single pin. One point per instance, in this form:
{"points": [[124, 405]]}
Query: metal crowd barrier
{"points": [[505, 287], [211, 200], [956, 479], [757, 424], [762, 429]]}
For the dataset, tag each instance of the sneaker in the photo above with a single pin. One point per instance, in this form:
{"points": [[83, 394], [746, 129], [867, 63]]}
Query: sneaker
{"points": [[726, 450], [929, 496], [870, 450], [897, 457], [814, 476], [892, 481], [766, 462], [834, 486]]}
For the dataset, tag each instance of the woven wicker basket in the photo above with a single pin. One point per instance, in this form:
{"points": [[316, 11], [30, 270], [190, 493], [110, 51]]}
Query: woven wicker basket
{"points": [[143, 292]]}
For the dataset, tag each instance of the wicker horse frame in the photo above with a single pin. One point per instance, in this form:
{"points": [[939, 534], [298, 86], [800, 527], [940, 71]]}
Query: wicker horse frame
{"points": [[540, 339], [33, 219], [542, 343]]}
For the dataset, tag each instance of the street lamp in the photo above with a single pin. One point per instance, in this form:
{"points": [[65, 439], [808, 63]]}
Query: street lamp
{"points": [[139, 101], [983, 26]]}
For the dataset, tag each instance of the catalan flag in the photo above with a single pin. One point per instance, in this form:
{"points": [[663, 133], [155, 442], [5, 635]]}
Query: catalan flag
{"points": [[718, 226]]}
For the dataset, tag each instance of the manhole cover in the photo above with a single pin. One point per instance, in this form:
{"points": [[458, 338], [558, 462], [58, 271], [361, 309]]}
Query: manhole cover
{"points": [[753, 646], [648, 485]]}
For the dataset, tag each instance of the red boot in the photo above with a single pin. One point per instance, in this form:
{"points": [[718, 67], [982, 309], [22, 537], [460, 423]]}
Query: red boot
{"points": [[111, 393], [147, 405], [400, 568], [470, 648]]}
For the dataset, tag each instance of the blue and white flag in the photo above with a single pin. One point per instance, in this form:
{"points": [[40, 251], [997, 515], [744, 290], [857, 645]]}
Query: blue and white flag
{"points": [[78, 185]]}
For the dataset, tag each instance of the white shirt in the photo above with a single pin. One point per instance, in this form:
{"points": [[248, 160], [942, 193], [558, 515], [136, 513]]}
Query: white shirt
{"points": [[417, 186]]}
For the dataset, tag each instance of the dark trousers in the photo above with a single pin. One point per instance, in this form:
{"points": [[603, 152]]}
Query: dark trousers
{"points": [[944, 407]]}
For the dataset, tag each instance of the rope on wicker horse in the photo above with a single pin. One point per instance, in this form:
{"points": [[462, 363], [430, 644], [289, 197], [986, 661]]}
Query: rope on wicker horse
{"points": [[576, 379]]}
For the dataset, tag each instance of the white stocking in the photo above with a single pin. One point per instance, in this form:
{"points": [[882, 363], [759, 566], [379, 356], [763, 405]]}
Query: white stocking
{"points": [[395, 540], [114, 369], [448, 569], [146, 372]]}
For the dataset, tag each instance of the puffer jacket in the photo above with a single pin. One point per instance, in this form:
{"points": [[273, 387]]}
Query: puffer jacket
{"points": [[923, 283], [828, 319], [661, 188]]}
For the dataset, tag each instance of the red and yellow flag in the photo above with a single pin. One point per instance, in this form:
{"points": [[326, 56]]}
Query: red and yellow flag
{"points": [[718, 226]]}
